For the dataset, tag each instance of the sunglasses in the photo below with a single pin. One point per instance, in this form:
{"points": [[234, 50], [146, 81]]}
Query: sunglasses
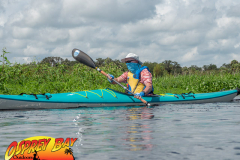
{"points": [[131, 61]]}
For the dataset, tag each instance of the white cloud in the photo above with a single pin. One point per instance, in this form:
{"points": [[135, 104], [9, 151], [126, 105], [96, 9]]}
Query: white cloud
{"points": [[235, 56], [236, 45], [16, 43], [62, 51], [53, 35], [27, 59], [34, 51], [1, 33], [187, 31], [2, 20], [22, 33], [82, 33], [21, 59], [191, 55], [109, 10]]}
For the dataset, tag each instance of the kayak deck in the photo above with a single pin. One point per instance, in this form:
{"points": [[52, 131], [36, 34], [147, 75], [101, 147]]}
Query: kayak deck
{"points": [[106, 97]]}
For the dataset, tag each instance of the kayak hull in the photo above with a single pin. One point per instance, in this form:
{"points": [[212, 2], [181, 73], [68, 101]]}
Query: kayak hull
{"points": [[106, 97]]}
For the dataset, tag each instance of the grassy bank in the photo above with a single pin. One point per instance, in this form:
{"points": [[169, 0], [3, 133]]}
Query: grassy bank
{"points": [[42, 78]]}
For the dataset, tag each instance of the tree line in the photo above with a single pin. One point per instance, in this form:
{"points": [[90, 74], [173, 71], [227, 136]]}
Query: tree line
{"points": [[166, 67]]}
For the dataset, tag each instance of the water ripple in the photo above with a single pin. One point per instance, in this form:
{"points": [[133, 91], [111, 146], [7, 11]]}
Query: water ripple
{"points": [[196, 131]]}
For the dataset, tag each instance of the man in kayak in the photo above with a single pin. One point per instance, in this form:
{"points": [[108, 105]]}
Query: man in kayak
{"points": [[138, 78]]}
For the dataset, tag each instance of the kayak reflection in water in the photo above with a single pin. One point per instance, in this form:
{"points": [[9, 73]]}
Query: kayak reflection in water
{"points": [[138, 78], [139, 133]]}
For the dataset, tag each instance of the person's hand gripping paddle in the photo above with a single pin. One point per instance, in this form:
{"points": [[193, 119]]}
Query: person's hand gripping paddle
{"points": [[83, 58]]}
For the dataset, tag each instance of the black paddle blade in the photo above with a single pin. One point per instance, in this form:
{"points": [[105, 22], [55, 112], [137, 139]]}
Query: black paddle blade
{"points": [[82, 57]]}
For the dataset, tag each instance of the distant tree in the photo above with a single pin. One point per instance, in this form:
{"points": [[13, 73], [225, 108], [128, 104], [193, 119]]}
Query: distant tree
{"points": [[228, 66], [235, 66], [53, 61], [192, 69], [185, 70], [69, 63], [195, 67], [210, 67], [205, 67], [66, 62], [168, 65], [120, 65], [117, 62], [177, 69], [172, 67], [233, 62], [103, 62], [150, 65], [99, 62], [107, 61], [159, 70]]}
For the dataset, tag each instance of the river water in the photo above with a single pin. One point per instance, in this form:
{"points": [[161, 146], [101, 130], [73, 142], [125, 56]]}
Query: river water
{"points": [[181, 132]]}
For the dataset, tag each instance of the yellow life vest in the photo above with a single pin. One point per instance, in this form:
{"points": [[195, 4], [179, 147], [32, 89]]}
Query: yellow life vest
{"points": [[134, 85]]}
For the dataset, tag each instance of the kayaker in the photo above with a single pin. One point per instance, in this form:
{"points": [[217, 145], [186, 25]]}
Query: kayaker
{"points": [[138, 78]]}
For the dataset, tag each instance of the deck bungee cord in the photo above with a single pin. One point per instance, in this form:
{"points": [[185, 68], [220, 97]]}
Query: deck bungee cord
{"points": [[101, 96]]}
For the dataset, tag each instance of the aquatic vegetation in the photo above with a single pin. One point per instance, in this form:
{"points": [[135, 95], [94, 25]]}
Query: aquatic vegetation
{"points": [[198, 83], [43, 78]]}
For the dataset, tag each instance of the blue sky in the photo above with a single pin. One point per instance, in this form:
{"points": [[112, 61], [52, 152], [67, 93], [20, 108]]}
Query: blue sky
{"points": [[191, 32]]}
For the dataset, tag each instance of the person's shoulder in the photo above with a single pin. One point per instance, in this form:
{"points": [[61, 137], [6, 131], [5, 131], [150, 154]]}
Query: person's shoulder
{"points": [[145, 70]]}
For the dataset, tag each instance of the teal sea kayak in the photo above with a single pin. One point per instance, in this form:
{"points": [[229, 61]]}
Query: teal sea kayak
{"points": [[105, 97]]}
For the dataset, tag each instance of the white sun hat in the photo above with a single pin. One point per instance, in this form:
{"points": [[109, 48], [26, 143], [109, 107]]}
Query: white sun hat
{"points": [[131, 55]]}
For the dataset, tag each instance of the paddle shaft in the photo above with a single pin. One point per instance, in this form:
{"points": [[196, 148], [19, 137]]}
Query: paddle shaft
{"points": [[140, 98], [83, 58]]}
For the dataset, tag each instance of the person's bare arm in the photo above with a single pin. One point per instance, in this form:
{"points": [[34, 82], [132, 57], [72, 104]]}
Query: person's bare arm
{"points": [[148, 88]]}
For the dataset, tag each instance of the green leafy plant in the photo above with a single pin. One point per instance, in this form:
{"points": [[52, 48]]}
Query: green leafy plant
{"points": [[4, 58]]}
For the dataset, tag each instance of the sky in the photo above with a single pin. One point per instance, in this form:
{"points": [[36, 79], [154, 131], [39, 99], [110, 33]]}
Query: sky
{"points": [[190, 32]]}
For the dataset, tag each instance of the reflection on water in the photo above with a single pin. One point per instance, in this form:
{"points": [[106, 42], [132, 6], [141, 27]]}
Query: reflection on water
{"points": [[131, 129], [138, 134]]}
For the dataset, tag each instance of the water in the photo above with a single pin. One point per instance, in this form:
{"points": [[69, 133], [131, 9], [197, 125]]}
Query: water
{"points": [[197, 131]]}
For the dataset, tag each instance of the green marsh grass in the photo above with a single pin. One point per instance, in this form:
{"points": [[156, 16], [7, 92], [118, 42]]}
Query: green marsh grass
{"points": [[42, 78], [201, 83]]}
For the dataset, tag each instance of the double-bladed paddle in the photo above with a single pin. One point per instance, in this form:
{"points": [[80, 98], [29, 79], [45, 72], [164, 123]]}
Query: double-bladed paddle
{"points": [[83, 58]]}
